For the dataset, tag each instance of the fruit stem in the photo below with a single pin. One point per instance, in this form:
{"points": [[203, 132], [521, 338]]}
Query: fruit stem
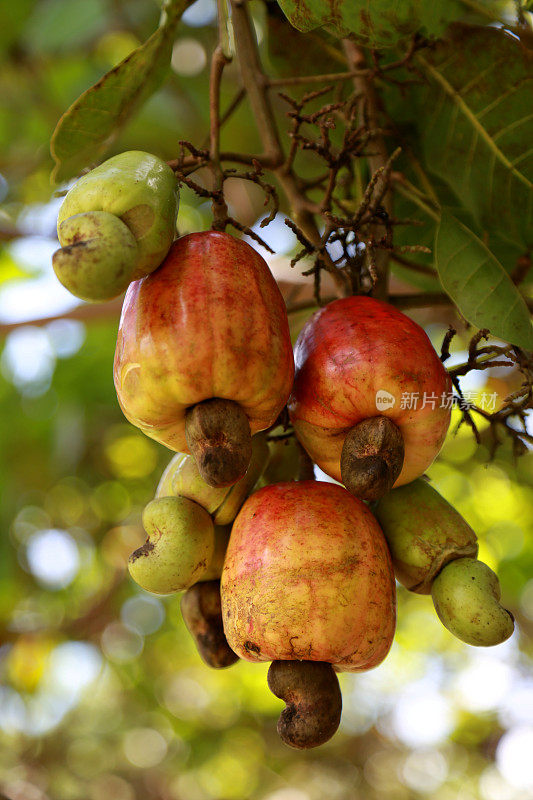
{"points": [[306, 468], [372, 458], [220, 209], [219, 438]]}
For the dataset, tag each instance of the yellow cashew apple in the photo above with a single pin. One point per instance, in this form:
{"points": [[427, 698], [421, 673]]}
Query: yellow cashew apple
{"points": [[203, 357]]}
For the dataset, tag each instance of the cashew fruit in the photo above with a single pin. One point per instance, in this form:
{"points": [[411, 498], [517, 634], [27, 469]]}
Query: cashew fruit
{"points": [[361, 362], [313, 700], [466, 595], [201, 610], [424, 532], [214, 570], [116, 224], [308, 576], [284, 462], [179, 548], [203, 342], [182, 478]]}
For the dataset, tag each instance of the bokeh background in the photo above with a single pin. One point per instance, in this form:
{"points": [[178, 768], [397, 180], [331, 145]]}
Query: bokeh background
{"points": [[102, 695]]}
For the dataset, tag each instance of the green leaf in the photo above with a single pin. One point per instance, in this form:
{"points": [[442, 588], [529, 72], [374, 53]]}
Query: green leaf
{"points": [[384, 23], [478, 284], [475, 120], [95, 119], [54, 28]]}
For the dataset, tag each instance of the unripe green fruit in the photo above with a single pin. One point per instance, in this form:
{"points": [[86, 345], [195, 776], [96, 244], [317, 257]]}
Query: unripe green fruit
{"points": [[466, 595], [284, 462], [98, 256], [182, 478], [424, 532], [179, 547], [214, 570], [139, 190], [238, 493]]}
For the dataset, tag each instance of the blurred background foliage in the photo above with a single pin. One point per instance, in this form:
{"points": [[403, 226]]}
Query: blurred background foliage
{"points": [[102, 694]]}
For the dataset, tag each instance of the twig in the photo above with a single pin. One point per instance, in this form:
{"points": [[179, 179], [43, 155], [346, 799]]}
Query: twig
{"points": [[306, 305], [331, 77], [413, 265], [233, 106], [86, 312], [517, 405], [220, 209], [421, 300], [445, 347], [405, 188], [256, 88], [365, 86]]}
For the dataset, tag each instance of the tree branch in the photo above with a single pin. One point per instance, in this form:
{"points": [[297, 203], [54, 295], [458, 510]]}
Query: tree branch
{"points": [[256, 86], [87, 312], [220, 209], [364, 84]]}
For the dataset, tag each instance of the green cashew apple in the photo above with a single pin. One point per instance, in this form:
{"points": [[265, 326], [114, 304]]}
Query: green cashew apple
{"points": [[98, 255], [424, 532], [466, 595], [214, 570], [179, 548], [116, 224], [182, 478], [284, 462]]}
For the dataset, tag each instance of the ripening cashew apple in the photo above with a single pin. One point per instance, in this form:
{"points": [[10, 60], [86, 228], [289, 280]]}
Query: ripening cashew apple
{"points": [[424, 533], [466, 595], [182, 482], [308, 578], [203, 357], [182, 478], [116, 224], [187, 525], [179, 548], [370, 397]]}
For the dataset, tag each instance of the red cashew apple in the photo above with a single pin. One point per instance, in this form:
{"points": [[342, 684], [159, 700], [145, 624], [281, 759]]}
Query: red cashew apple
{"points": [[203, 357], [371, 398], [308, 577]]}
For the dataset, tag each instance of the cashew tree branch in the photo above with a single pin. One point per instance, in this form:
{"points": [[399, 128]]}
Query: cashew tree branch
{"points": [[256, 86]]}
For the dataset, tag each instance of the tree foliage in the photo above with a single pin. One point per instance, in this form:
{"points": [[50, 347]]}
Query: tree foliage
{"points": [[395, 139]]}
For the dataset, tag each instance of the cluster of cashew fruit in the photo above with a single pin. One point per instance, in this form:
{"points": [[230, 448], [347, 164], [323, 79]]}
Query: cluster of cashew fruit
{"points": [[434, 551], [300, 573]]}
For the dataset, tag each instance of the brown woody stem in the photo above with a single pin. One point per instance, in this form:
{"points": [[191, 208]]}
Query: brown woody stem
{"points": [[306, 468], [257, 89], [202, 614], [313, 700], [218, 436], [220, 209], [372, 458], [364, 83]]}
